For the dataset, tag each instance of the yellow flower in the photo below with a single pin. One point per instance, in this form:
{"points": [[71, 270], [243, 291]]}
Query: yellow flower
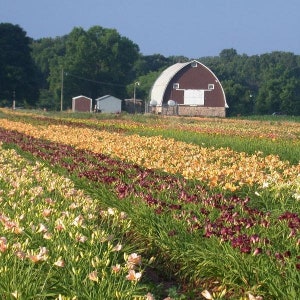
{"points": [[16, 294]]}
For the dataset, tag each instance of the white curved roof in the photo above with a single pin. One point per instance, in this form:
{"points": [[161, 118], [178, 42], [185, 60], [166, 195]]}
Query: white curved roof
{"points": [[161, 83]]}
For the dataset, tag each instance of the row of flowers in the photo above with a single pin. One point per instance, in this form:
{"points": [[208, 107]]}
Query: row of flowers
{"points": [[237, 127], [50, 227], [231, 219], [222, 167]]}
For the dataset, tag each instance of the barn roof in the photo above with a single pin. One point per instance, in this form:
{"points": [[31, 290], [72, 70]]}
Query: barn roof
{"points": [[161, 83]]}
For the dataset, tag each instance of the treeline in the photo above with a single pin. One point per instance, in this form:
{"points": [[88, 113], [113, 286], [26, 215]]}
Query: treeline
{"points": [[99, 61]]}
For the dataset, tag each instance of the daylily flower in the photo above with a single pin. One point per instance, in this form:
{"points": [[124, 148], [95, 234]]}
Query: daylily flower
{"points": [[3, 244], [60, 263], [47, 236], [60, 225], [117, 248], [46, 212], [16, 294], [133, 276], [81, 238], [207, 295], [116, 268], [134, 260], [42, 228], [78, 220], [20, 254], [149, 296], [93, 276]]}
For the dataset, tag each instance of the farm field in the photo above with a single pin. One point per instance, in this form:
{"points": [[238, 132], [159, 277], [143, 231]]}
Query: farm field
{"points": [[147, 207]]}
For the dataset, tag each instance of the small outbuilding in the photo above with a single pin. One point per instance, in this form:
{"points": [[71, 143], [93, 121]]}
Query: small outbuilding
{"points": [[108, 104], [133, 106], [188, 89], [82, 104]]}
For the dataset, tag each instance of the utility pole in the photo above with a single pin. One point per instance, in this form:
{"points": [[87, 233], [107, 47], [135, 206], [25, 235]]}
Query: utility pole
{"points": [[14, 100], [62, 90], [134, 98]]}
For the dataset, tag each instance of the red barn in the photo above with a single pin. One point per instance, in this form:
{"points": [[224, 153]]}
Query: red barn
{"points": [[81, 104], [189, 89]]}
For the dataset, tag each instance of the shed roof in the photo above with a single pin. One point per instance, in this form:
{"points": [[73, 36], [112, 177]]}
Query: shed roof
{"points": [[81, 96], [107, 96]]}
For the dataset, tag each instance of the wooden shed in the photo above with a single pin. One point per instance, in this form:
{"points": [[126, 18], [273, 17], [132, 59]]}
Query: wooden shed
{"points": [[108, 104], [81, 104], [189, 89]]}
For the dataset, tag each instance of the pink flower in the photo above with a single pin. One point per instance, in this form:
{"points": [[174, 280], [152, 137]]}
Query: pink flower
{"points": [[134, 260], [257, 251], [81, 238], [116, 268], [93, 276], [117, 248], [3, 244], [149, 296], [20, 254], [60, 225], [78, 221], [60, 263], [133, 276], [46, 212]]}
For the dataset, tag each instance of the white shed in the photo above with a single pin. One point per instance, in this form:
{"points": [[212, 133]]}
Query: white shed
{"points": [[108, 104]]}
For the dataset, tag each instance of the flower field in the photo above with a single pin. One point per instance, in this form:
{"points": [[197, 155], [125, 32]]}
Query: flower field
{"points": [[101, 208]]}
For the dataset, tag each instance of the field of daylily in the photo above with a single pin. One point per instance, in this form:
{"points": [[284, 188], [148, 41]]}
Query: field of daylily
{"points": [[148, 207]]}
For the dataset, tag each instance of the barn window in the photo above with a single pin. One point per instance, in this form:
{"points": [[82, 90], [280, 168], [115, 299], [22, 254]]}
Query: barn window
{"points": [[194, 64], [175, 86], [211, 86]]}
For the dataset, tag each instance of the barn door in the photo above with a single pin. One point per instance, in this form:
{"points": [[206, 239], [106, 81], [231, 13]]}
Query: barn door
{"points": [[194, 97]]}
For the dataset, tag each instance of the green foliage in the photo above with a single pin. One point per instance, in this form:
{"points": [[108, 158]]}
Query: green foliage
{"points": [[258, 84], [18, 80], [96, 62]]}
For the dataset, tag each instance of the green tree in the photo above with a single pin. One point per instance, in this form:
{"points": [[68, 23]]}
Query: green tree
{"points": [[238, 97], [45, 52], [18, 74], [96, 62]]}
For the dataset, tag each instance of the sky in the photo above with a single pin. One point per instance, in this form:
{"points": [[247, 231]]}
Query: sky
{"points": [[190, 28]]}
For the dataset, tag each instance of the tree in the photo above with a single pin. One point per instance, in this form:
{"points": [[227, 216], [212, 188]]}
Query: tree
{"points": [[45, 52], [96, 62], [238, 97], [17, 69], [152, 63]]}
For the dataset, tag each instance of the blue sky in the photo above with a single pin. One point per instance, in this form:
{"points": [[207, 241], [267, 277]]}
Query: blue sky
{"points": [[192, 28]]}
